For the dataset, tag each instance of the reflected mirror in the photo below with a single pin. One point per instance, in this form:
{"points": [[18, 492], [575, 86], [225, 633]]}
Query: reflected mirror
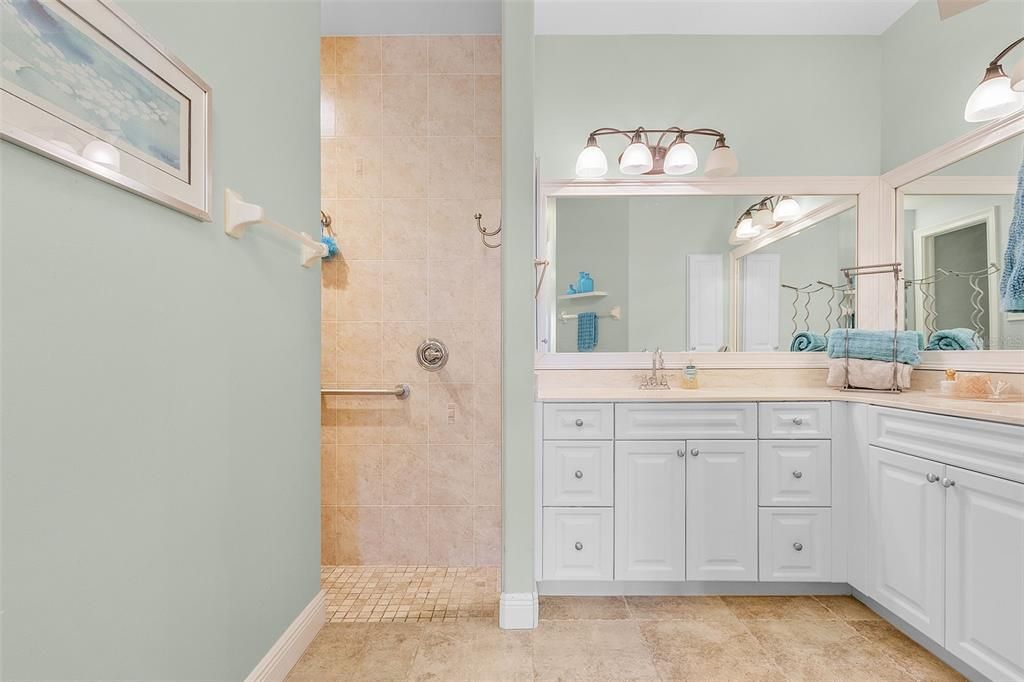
{"points": [[686, 273]]}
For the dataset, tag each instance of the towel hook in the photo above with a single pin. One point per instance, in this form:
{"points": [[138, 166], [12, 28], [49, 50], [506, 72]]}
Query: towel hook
{"points": [[485, 233]]}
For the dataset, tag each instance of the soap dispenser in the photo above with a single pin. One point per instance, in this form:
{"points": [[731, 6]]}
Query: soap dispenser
{"points": [[690, 375]]}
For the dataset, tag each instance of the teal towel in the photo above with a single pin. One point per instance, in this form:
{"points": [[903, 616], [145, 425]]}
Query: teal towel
{"points": [[869, 344], [955, 339], [1011, 284], [586, 332], [807, 342]]}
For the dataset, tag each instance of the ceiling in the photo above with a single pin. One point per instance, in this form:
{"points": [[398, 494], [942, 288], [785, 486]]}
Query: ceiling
{"points": [[718, 17]]}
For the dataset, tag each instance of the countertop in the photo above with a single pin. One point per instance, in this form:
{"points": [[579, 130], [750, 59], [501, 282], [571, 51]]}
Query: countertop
{"points": [[921, 401]]}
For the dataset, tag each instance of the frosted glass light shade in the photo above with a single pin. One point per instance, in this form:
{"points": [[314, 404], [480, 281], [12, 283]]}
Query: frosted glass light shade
{"points": [[104, 153], [763, 219], [636, 160], [680, 159], [786, 209], [1017, 77], [992, 98], [591, 163], [721, 162], [746, 229]]}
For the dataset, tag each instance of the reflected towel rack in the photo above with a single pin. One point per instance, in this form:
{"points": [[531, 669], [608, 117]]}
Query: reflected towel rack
{"points": [[400, 391], [615, 313], [239, 215]]}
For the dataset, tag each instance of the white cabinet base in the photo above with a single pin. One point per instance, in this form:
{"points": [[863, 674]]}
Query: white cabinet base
{"points": [[578, 543]]}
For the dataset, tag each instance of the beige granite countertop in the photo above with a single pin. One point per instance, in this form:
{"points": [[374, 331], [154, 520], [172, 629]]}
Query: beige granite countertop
{"points": [[921, 401]]}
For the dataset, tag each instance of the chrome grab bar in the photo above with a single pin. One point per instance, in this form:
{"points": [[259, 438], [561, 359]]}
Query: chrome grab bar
{"points": [[401, 391]]}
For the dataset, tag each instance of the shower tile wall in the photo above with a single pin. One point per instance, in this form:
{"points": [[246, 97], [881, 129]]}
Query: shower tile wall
{"points": [[410, 150]]}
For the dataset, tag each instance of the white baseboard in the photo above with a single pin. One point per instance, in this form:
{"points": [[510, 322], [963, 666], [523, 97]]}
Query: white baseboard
{"points": [[518, 610], [289, 647]]}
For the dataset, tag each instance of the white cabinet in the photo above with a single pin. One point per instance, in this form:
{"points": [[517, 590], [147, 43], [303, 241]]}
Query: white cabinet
{"points": [[795, 420], [594, 421], [721, 510], [796, 545], [985, 573], [650, 512], [795, 473], [683, 421], [577, 544], [578, 473], [907, 506]]}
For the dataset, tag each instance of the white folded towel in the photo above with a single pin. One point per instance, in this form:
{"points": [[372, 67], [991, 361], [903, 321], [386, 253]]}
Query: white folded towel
{"points": [[867, 373]]}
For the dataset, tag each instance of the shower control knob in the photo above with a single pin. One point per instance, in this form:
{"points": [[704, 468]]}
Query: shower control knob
{"points": [[579, 546], [798, 474], [798, 547], [432, 355], [578, 474], [579, 422]]}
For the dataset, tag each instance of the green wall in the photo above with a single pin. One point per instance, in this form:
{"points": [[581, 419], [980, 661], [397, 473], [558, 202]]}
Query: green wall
{"points": [[160, 444]]}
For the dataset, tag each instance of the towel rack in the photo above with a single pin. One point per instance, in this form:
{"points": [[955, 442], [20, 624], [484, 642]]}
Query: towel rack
{"points": [[400, 391], [615, 313], [239, 215]]}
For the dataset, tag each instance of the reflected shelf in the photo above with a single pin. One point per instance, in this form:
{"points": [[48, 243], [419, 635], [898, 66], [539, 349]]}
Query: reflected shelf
{"points": [[577, 297]]}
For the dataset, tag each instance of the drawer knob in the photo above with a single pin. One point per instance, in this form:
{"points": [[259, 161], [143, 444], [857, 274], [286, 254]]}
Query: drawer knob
{"points": [[579, 422], [948, 482], [579, 546], [798, 474], [798, 547], [578, 474], [931, 478], [694, 452], [798, 421]]}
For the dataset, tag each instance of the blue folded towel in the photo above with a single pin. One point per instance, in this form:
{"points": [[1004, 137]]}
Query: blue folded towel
{"points": [[1011, 284], [955, 339], [807, 342], [870, 344], [586, 332]]}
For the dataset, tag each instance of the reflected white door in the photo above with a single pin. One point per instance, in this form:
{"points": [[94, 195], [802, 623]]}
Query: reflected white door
{"points": [[760, 302], [705, 307]]}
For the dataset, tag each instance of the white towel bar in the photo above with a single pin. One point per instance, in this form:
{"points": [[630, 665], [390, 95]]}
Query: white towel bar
{"points": [[240, 215], [615, 313]]}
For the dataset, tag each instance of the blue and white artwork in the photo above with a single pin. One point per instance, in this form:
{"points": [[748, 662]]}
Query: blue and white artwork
{"points": [[80, 79]]}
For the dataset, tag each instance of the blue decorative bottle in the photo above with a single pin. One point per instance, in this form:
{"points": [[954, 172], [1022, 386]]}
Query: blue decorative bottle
{"points": [[585, 284]]}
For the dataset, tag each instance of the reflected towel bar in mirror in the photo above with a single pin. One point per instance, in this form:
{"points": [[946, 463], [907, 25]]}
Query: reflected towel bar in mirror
{"points": [[400, 391]]}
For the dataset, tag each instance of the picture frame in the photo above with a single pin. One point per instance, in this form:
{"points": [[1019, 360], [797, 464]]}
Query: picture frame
{"points": [[82, 84]]}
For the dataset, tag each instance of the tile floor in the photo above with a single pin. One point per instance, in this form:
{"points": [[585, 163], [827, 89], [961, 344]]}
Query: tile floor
{"points": [[633, 638]]}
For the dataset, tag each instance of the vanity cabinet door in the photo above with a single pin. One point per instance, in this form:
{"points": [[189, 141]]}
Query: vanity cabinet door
{"points": [[907, 506], [985, 573], [721, 510], [650, 511]]}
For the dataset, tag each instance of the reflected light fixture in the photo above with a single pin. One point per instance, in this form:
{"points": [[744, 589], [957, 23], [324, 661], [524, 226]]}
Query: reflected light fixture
{"points": [[997, 95], [643, 156], [104, 153], [764, 215], [745, 227]]}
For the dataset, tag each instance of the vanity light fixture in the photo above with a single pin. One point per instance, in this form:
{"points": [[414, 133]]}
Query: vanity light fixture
{"points": [[764, 215], [997, 95], [642, 157]]}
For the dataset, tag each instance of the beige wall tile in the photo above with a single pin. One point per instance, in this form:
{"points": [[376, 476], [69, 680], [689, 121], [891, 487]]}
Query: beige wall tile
{"points": [[450, 536], [357, 224], [358, 537], [487, 413], [328, 536], [401, 339], [347, 419], [459, 338], [405, 536], [328, 474], [451, 229], [330, 282], [405, 290], [451, 290], [357, 106], [328, 56], [451, 54], [405, 54], [358, 474], [328, 358], [405, 421], [487, 352], [328, 168], [487, 536], [487, 167], [358, 54], [450, 105], [404, 108], [487, 289], [487, 106], [446, 400], [357, 161], [451, 474], [487, 474], [405, 167], [405, 474], [357, 349], [328, 100], [487, 54], [359, 290], [451, 161], [405, 229]]}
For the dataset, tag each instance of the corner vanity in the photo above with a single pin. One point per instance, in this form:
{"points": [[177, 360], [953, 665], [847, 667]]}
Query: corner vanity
{"points": [[918, 513]]}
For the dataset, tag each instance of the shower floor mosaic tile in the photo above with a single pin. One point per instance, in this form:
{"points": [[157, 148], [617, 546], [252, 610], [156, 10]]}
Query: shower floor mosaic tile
{"points": [[387, 594]]}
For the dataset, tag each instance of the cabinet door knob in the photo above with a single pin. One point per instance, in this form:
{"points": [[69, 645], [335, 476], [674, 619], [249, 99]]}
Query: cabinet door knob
{"points": [[798, 421], [798, 474], [579, 546], [579, 422], [694, 452], [931, 478], [680, 453], [948, 482], [798, 547], [578, 474]]}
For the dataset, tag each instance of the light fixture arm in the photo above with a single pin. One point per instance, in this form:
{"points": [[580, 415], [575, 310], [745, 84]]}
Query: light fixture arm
{"points": [[999, 57], [709, 132]]}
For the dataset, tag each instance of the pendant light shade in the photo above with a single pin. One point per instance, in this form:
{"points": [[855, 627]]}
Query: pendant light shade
{"points": [[786, 209], [591, 163], [993, 97], [1017, 77], [763, 219], [681, 158], [746, 229], [721, 161], [637, 159]]}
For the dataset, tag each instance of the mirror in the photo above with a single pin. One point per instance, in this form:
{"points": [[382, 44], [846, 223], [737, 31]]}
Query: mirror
{"points": [[669, 272], [955, 230]]}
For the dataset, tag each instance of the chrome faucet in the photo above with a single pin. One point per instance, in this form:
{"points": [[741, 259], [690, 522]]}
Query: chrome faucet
{"points": [[655, 382]]}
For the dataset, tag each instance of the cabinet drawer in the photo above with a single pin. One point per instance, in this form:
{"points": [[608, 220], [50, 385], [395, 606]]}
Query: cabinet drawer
{"points": [[794, 473], [986, 447], [579, 473], [795, 420], [795, 544], [578, 544], [676, 421], [578, 420]]}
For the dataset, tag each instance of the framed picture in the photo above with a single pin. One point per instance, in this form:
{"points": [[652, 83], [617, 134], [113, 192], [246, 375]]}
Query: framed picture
{"points": [[82, 84]]}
